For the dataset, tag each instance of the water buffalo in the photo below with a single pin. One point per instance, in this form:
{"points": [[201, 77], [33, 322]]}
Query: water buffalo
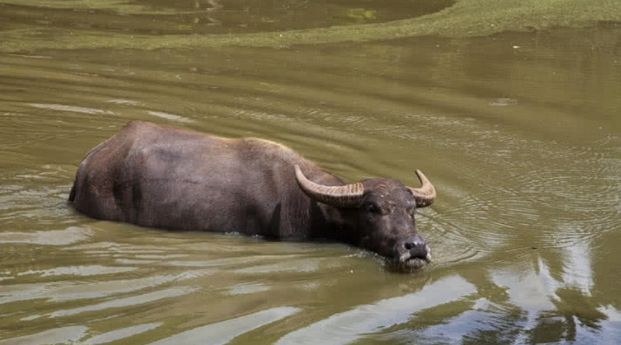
{"points": [[158, 176]]}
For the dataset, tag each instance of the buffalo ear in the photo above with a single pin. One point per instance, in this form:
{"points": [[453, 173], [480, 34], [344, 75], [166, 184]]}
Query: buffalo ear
{"points": [[426, 193], [349, 195]]}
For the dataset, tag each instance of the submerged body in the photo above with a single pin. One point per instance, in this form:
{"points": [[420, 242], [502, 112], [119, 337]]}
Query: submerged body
{"points": [[163, 177]]}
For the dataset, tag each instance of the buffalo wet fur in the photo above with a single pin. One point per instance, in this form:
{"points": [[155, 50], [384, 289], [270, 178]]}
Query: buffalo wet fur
{"points": [[158, 176]]}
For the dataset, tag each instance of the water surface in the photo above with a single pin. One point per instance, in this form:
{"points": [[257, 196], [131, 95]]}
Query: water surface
{"points": [[511, 108]]}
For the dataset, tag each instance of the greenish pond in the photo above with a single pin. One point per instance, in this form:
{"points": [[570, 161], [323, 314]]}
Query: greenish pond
{"points": [[512, 109]]}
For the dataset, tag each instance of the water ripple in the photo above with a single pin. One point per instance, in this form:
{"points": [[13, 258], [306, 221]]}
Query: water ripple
{"points": [[73, 109], [68, 236], [122, 333], [83, 271], [59, 335], [68, 291], [349, 326], [225, 331], [127, 301]]}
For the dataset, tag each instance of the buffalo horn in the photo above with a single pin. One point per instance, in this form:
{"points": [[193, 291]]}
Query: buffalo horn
{"points": [[349, 195], [424, 195]]}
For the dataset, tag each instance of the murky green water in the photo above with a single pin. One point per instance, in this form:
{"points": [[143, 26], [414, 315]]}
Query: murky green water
{"points": [[512, 108]]}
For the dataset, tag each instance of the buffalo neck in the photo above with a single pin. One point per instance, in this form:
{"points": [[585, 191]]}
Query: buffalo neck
{"points": [[331, 223]]}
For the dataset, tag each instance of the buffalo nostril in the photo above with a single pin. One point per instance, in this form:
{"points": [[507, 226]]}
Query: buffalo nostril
{"points": [[417, 249], [409, 245], [413, 243]]}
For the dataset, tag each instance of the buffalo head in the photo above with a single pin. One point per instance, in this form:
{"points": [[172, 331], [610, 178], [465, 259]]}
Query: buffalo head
{"points": [[381, 214]]}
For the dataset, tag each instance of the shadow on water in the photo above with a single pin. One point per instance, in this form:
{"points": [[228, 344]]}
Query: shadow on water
{"points": [[518, 131]]}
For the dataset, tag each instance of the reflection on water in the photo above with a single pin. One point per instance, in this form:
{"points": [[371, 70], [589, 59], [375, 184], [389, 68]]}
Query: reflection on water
{"points": [[49, 237], [61, 335], [223, 332], [519, 132], [122, 333], [347, 327]]}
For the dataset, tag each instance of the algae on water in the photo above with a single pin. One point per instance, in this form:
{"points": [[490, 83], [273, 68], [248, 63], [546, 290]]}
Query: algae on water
{"points": [[466, 18]]}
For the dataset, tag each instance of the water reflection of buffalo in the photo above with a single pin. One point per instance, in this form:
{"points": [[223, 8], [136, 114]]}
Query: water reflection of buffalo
{"points": [[169, 178]]}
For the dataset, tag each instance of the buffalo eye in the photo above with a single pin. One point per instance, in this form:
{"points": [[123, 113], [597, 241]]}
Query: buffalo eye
{"points": [[372, 208]]}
